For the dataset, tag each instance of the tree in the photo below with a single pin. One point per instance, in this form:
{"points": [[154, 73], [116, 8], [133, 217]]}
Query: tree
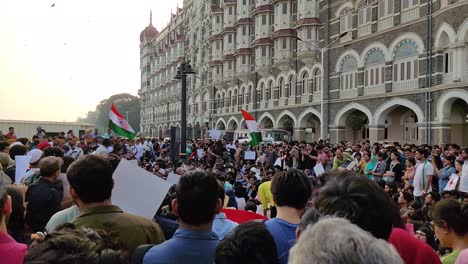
{"points": [[125, 104]]}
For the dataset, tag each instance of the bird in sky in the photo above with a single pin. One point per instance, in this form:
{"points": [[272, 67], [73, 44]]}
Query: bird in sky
{"points": [[52, 5]]}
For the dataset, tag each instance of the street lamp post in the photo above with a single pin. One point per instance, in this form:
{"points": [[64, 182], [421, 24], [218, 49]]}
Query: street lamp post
{"points": [[182, 71], [322, 56]]}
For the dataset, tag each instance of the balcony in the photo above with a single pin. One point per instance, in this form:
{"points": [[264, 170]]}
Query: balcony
{"points": [[448, 77], [364, 30], [376, 89], [403, 86], [409, 14], [350, 93]]}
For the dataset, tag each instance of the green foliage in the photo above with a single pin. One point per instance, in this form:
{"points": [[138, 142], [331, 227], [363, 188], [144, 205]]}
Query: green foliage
{"points": [[123, 102]]}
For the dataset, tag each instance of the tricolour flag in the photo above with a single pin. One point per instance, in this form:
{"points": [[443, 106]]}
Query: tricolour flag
{"points": [[254, 130], [119, 125]]}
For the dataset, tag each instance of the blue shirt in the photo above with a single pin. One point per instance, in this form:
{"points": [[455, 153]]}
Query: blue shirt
{"points": [[444, 178], [284, 234], [223, 226], [186, 246]]}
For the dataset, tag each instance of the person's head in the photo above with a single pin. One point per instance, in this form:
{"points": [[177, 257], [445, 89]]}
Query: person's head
{"points": [[410, 162], [197, 200], [54, 152], [405, 198], [339, 154], [459, 165], [96, 131], [465, 154], [17, 150], [449, 161], [4, 147], [336, 240], [50, 167], [250, 242], [251, 206], [72, 245], [394, 155], [421, 154], [310, 217], [414, 207], [291, 189], [11, 129], [390, 188], [90, 179], [347, 194], [366, 157], [426, 235], [432, 198], [450, 219], [5, 203], [16, 219]]}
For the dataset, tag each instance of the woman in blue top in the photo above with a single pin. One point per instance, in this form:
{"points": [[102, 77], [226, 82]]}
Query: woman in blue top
{"points": [[444, 173]]}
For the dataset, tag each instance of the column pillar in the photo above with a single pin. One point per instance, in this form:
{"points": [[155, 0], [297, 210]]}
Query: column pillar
{"points": [[299, 133], [376, 133], [441, 133], [337, 134]]}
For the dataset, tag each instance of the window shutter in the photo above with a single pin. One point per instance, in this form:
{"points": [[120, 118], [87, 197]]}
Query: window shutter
{"points": [[390, 4], [381, 8]]}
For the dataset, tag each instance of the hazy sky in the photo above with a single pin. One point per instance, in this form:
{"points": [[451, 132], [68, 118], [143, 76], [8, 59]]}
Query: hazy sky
{"points": [[58, 63]]}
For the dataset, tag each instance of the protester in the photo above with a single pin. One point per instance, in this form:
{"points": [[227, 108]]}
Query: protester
{"points": [[196, 205], [72, 245], [291, 192], [11, 252], [336, 240], [248, 243], [91, 184], [42, 197], [450, 219]]}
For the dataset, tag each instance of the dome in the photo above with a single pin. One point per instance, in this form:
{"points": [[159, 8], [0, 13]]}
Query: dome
{"points": [[149, 32]]}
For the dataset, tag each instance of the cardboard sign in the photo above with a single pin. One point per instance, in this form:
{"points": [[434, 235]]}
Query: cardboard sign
{"points": [[22, 165], [249, 155], [215, 134], [318, 169], [453, 180], [138, 191]]}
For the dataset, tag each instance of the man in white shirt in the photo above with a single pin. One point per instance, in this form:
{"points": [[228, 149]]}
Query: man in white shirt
{"points": [[74, 151], [140, 149], [423, 175]]}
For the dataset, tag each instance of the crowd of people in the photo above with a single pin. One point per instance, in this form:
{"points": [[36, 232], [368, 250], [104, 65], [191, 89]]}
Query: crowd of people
{"points": [[293, 202]]}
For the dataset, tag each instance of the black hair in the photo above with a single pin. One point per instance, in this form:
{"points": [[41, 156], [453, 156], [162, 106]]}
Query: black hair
{"points": [[348, 194], [17, 150], [423, 151], [54, 151], [251, 206], [91, 178], [197, 198], [16, 219], [412, 160], [408, 197], [453, 214], [435, 196], [292, 189], [72, 245], [4, 145], [67, 161], [250, 242]]}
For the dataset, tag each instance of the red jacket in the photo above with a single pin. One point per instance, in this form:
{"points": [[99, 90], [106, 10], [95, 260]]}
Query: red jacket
{"points": [[411, 249]]}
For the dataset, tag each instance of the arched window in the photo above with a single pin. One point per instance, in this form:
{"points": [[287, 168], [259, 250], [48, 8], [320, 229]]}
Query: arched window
{"points": [[364, 13], [228, 100], [289, 89], [406, 65], [348, 73], [386, 8], [247, 95], [269, 90], [234, 98], [305, 82], [316, 81], [346, 20], [280, 88], [374, 68], [241, 96]]}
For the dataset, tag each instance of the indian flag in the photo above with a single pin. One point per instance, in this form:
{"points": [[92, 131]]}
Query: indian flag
{"points": [[254, 130], [119, 125]]}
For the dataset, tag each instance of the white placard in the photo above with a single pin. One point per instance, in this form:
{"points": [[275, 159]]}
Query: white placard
{"points": [[215, 134], [173, 178], [200, 153], [249, 155], [452, 183], [318, 169], [138, 191], [464, 183], [134, 162], [277, 162], [22, 164]]}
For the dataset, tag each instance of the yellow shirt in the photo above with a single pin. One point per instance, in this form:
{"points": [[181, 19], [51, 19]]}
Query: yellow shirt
{"points": [[266, 197]]}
